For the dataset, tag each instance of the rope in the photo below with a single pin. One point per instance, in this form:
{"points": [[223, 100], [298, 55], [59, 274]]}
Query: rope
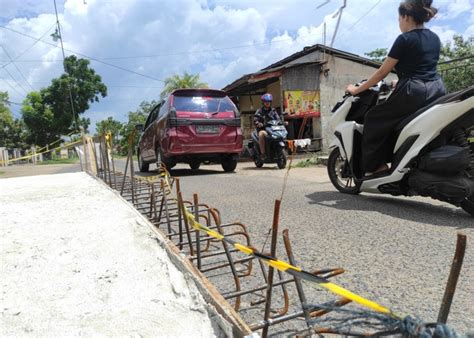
{"points": [[384, 325]]}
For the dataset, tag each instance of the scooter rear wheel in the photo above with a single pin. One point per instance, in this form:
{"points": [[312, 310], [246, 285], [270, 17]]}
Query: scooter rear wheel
{"points": [[343, 183]]}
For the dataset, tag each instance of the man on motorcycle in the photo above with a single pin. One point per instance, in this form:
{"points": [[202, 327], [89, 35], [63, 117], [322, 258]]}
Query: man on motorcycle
{"points": [[262, 116]]}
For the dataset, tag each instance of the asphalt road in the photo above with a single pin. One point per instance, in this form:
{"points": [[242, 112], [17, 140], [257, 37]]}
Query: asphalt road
{"points": [[397, 251]]}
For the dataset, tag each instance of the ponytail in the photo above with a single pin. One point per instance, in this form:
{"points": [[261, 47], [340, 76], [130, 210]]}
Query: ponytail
{"points": [[420, 10]]}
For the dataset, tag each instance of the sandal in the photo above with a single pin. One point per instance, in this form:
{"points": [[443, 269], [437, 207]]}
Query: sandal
{"points": [[379, 172]]}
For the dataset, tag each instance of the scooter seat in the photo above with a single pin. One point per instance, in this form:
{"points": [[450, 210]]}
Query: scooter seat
{"points": [[452, 97]]}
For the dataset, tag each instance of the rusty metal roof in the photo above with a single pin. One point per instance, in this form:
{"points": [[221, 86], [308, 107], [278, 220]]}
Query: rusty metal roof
{"points": [[273, 71]]}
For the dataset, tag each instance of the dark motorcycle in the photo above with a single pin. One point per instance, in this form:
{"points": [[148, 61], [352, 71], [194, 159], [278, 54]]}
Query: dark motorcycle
{"points": [[275, 151]]}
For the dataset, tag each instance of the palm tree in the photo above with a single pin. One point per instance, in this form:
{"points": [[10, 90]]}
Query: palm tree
{"points": [[187, 81]]}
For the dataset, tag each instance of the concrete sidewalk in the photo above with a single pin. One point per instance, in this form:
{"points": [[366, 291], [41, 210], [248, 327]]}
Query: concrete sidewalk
{"points": [[76, 259]]}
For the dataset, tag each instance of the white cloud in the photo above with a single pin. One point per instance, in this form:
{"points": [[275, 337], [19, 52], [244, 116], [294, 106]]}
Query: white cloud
{"points": [[444, 32], [221, 40], [455, 8], [469, 32]]}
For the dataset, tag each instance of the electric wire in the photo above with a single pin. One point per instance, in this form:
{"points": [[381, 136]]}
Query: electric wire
{"points": [[13, 88], [27, 49], [16, 82], [363, 16], [283, 40], [18, 69], [84, 55]]}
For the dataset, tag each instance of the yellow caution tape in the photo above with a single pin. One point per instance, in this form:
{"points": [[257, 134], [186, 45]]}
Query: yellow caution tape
{"points": [[54, 142], [67, 145], [286, 267]]}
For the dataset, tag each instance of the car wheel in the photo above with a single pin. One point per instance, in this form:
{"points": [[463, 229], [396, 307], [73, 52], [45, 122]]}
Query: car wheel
{"points": [[335, 168], [161, 161], [194, 165], [142, 165], [229, 164]]}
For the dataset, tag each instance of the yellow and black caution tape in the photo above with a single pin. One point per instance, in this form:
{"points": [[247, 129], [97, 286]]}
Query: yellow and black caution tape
{"points": [[288, 268], [67, 145], [54, 142], [293, 270]]}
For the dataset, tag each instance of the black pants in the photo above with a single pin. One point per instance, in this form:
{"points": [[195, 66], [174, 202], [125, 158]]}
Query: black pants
{"points": [[409, 96]]}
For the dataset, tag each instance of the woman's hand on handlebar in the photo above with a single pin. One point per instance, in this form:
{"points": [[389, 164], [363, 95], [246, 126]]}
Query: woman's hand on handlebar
{"points": [[351, 89]]}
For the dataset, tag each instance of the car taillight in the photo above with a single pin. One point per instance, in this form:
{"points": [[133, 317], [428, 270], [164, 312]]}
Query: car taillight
{"points": [[172, 117]]}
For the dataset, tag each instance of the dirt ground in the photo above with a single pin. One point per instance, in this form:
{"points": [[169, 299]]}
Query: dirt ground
{"points": [[31, 170]]}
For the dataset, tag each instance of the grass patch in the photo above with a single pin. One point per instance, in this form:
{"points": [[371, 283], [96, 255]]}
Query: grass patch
{"points": [[308, 162], [60, 161], [118, 156], [2, 172]]}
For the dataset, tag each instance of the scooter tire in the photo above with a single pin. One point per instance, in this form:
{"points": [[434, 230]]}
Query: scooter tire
{"points": [[334, 167], [281, 161], [258, 163]]}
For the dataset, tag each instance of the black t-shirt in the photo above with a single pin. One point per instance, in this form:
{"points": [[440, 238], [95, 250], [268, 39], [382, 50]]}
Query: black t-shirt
{"points": [[417, 52]]}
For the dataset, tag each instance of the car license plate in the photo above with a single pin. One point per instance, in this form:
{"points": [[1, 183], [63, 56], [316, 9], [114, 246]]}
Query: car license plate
{"points": [[207, 129]]}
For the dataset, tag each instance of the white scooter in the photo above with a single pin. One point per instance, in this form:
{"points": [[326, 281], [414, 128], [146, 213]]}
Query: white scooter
{"points": [[433, 154]]}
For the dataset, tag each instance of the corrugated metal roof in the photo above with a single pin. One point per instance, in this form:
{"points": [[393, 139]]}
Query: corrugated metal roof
{"points": [[284, 63]]}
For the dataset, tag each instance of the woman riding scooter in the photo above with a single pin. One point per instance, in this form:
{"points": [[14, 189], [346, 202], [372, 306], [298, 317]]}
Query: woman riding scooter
{"points": [[414, 55]]}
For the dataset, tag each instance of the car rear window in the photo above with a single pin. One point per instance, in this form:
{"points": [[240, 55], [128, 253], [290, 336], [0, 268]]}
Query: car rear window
{"points": [[203, 104]]}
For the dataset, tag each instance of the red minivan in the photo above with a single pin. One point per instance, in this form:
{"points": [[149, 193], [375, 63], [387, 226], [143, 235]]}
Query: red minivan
{"points": [[192, 126]]}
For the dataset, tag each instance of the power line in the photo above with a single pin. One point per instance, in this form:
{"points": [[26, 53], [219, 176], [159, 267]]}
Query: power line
{"points": [[15, 114], [364, 15], [16, 82], [116, 86], [175, 53], [9, 85], [18, 69], [85, 56], [27, 49], [11, 102]]}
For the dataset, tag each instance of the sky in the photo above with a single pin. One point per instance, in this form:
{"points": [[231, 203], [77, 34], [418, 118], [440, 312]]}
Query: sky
{"points": [[135, 44]]}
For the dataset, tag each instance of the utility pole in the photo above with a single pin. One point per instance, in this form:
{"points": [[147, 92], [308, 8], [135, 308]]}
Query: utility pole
{"points": [[64, 66]]}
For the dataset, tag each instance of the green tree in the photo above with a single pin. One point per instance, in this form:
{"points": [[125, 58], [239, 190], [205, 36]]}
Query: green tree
{"points": [[134, 118], [39, 120], [11, 129], [186, 81], [109, 125], [456, 63], [48, 114], [377, 55]]}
